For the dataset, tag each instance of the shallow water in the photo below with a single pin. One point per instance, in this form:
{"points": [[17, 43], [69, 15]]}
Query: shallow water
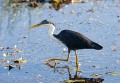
{"points": [[98, 20]]}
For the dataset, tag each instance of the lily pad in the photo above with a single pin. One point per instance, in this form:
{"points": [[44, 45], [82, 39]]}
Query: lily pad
{"points": [[113, 73]]}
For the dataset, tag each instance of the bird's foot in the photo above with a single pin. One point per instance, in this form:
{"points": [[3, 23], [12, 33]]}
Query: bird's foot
{"points": [[50, 60], [54, 59], [51, 66]]}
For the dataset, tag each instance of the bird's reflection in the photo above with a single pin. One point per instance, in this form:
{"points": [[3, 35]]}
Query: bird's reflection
{"points": [[76, 78]]}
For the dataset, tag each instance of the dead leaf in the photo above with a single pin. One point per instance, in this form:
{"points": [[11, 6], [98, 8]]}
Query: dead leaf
{"points": [[96, 75], [19, 61], [62, 72], [113, 73]]}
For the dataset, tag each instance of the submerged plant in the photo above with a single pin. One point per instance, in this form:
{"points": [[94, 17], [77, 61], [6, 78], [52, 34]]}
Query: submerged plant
{"points": [[10, 1]]}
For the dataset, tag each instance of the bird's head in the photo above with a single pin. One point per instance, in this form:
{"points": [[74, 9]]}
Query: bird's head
{"points": [[44, 22]]}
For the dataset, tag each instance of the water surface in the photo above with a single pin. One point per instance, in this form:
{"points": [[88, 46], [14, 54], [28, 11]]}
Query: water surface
{"points": [[98, 20]]}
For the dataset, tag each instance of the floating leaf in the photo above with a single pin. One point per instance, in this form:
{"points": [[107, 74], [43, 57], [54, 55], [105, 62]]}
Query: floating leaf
{"points": [[19, 61], [23, 61], [72, 81], [17, 51], [96, 75], [62, 72], [113, 73]]}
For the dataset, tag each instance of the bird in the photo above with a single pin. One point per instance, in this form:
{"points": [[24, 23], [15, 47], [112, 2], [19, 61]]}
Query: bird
{"points": [[71, 39]]}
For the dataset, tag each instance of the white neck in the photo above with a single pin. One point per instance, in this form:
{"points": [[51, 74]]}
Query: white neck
{"points": [[51, 29], [51, 32]]}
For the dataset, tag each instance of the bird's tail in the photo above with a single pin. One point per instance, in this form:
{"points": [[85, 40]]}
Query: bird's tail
{"points": [[96, 46]]}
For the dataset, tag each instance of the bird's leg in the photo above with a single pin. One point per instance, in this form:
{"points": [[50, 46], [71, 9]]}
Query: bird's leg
{"points": [[54, 59], [77, 63]]}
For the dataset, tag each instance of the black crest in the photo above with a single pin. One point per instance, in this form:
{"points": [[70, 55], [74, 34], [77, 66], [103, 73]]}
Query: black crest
{"points": [[46, 22]]}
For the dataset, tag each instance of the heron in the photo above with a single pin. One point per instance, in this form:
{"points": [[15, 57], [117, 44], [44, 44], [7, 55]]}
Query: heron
{"points": [[71, 39]]}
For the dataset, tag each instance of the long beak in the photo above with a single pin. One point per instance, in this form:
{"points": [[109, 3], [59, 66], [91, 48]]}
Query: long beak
{"points": [[36, 25]]}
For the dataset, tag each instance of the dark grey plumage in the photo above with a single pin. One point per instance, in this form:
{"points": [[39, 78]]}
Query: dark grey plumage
{"points": [[74, 40]]}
